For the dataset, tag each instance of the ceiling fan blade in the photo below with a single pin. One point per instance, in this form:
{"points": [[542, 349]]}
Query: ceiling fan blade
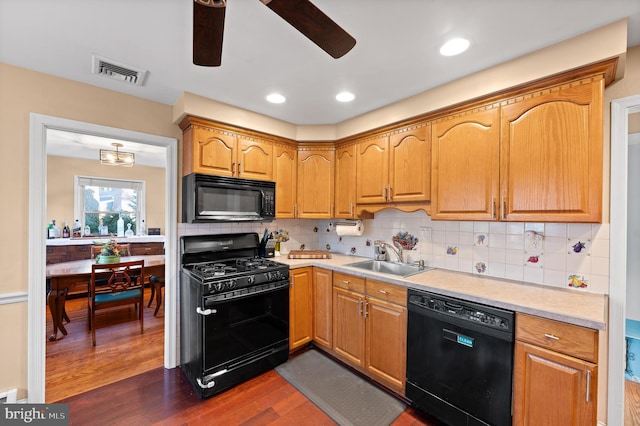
{"points": [[208, 28], [314, 24]]}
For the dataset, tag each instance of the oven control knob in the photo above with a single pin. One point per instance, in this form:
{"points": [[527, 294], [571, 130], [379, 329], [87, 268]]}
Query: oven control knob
{"points": [[251, 279], [219, 286], [231, 284]]}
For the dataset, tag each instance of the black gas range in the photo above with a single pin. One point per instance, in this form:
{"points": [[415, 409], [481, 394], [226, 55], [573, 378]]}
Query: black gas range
{"points": [[234, 316]]}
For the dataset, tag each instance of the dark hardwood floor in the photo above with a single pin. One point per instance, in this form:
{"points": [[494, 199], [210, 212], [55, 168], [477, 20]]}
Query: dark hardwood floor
{"points": [[74, 366], [122, 381], [165, 397]]}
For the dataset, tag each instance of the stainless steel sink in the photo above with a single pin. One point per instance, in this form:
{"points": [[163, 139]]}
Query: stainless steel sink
{"points": [[393, 268]]}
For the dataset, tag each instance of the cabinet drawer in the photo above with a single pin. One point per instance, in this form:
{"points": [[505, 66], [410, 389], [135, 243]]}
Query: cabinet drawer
{"points": [[348, 282], [141, 249], [387, 292], [80, 252], [56, 254], [569, 339]]}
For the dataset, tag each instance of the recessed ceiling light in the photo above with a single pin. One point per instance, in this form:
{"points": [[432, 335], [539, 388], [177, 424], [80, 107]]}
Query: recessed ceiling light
{"points": [[345, 97], [276, 98], [454, 47]]}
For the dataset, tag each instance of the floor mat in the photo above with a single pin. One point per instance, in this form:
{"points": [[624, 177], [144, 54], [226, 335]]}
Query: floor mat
{"points": [[342, 395]]}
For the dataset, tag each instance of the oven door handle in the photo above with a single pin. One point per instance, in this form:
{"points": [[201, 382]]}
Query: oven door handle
{"points": [[205, 312]]}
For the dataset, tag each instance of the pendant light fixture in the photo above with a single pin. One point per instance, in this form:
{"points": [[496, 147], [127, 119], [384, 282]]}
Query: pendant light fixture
{"points": [[117, 158]]}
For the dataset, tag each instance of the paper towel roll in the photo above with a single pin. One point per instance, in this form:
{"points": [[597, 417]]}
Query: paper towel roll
{"points": [[350, 228]]}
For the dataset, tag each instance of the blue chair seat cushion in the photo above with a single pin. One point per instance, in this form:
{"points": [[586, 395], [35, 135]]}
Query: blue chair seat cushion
{"points": [[117, 297]]}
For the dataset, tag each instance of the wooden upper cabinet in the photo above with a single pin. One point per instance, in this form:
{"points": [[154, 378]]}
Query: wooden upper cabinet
{"points": [[284, 173], [345, 199], [465, 166], [551, 154], [410, 165], [215, 149], [254, 159], [372, 167], [316, 170]]}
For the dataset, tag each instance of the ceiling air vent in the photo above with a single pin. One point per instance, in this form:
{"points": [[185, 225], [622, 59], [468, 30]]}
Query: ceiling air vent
{"points": [[117, 71]]}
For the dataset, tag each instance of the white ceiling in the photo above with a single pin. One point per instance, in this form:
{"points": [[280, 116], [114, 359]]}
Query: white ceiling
{"points": [[396, 54]]}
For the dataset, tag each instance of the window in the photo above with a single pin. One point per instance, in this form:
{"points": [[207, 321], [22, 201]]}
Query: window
{"points": [[100, 202]]}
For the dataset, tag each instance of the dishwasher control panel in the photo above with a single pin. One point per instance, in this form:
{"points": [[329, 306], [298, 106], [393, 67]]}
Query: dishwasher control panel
{"points": [[486, 315]]}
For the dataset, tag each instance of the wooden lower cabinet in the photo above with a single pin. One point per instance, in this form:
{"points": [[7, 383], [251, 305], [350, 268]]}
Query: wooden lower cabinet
{"points": [[348, 326], [300, 307], [322, 307], [370, 328], [555, 376], [386, 342]]}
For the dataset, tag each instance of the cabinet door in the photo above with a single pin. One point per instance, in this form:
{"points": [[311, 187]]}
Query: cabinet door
{"points": [[255, 159], [348, 326], [300, 307], [386, 342], [552, 389], [141, 249], [315, 184], [410, 165], [551, 154], [372, 164], [322, 307], [345, 182], [284, 174], [213, 151], [56, 254], [79, 252], [465, 166]]}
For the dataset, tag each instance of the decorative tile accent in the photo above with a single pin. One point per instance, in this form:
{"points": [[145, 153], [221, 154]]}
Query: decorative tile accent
{"points": [[405, 240], [368, 243], [579, 246], [315, 229], [480, 267], [577, 281], [302, 246], [481, 239], [353, 250], [328, 246], [452, 250]]}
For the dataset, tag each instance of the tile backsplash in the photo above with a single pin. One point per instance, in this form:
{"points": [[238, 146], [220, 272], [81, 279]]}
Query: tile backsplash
{"points": [[555, 254]]}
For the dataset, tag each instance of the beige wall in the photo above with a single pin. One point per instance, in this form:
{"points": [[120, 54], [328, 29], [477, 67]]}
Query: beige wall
{"points": [[60, 174], [21, 93]]}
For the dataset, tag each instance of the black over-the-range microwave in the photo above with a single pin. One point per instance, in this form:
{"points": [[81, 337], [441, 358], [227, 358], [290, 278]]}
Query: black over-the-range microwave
{"points": [[209, 198]]}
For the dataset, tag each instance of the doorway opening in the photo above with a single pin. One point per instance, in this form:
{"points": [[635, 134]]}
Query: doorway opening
{"points": [[39, 124], [620, 111]]}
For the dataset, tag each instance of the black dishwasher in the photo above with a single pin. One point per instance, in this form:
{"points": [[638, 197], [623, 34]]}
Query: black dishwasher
{"points": [[459, 360]]}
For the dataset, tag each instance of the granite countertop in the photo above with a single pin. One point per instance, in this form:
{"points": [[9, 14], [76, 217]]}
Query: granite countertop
{"points": [[101, 238], [571, 306]]}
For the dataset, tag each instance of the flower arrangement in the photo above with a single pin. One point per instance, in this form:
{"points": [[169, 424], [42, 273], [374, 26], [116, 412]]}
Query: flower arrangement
{"points": [[281, 236], [111, 248]]}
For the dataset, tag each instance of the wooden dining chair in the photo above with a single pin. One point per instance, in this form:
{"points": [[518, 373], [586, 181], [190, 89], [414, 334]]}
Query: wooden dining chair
{"points": [[116, 284], [156, 284]]}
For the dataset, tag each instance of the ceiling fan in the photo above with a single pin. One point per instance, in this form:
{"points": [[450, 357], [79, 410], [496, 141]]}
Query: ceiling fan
{"points": [[208, 28]]}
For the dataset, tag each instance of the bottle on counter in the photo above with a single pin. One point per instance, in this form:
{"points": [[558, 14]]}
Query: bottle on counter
{"points": [[120, 227], [66, 232], [51, 232], [128, 232], [87, 230], [142, 229], [103, 229], [56, 229], [77, 229]]}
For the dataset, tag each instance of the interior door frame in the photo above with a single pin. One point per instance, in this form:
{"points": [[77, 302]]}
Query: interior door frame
{"points": [[36, 353], [620, 110]]}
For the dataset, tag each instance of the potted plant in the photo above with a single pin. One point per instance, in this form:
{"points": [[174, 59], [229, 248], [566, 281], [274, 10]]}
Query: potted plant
{"points": [[110, 252]]}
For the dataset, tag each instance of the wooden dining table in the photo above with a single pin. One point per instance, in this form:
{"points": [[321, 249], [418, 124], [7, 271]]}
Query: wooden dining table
{"points": [[65, 276]]}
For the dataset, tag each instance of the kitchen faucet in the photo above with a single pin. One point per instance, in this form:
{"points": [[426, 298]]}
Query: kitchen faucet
{"points": [[380, 250]]}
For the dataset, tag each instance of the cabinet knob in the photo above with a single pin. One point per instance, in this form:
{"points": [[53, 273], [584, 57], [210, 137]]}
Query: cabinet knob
{"points": [[384, 292]]}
